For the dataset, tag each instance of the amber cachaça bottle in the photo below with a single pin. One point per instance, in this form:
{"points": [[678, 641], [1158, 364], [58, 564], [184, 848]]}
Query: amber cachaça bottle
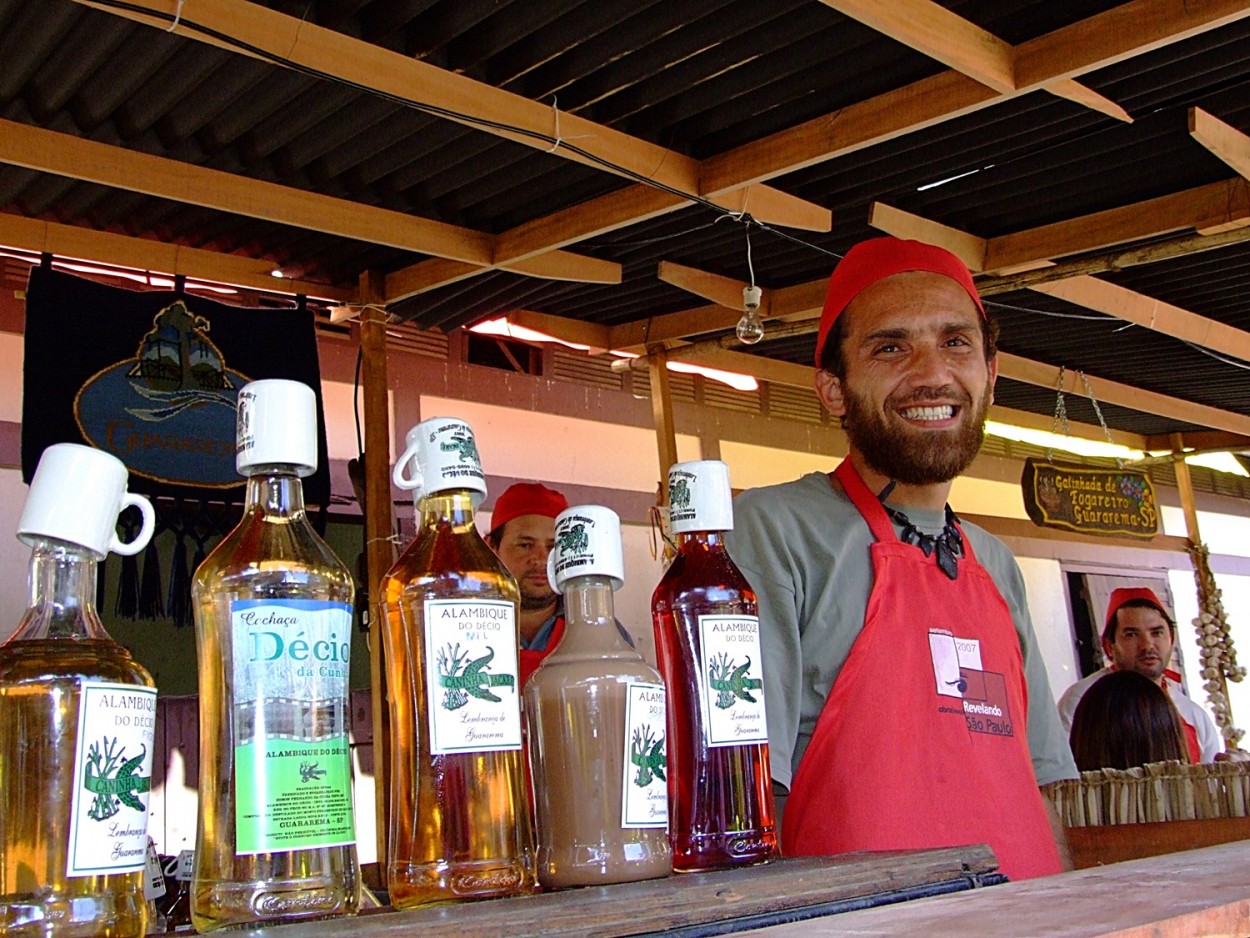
{"points": [[707, 640], [273, 612], [597, 724], [460, 826], [77, 719]]}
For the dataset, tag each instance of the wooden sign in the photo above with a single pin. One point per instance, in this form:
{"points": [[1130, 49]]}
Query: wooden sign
{"points": [[1110, 502]]}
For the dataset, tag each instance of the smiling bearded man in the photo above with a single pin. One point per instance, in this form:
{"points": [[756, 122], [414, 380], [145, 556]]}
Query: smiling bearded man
{"points": [[908, 705]]}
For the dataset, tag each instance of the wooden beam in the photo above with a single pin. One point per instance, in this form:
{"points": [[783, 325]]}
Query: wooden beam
{"points": [[1078, 94], [940, 34], [72, 241], [662, 411], [1223, 140], [1150, 313], [1123, 395], [967, 247], [592, 335], [76, 158], [630, 336], [1130, 29], [1202, 208], [452, 96], [1081, 431], [561, 265], [379, 554], [723, 291], [1203, 440]]}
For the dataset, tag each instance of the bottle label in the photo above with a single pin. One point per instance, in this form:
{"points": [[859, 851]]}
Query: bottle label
{"points": [[292, 765], [644, 790], [108, 830], [471, 677], [731, 686]]}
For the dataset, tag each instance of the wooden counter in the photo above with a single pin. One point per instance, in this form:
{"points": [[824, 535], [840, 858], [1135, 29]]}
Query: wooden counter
{"points": [[1198, 893]]}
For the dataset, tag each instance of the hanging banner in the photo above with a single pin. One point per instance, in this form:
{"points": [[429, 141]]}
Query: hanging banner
{"points": [[151, 377], [1108, 502]]}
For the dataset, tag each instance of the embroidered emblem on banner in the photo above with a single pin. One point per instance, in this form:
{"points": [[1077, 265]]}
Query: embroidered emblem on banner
{"points": [[958, 673]]}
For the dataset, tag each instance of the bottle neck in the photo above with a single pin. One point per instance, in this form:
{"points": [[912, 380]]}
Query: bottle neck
{"points": [[590, 616], [62, 593], [454, 507], [276, 491], [702, 540]]}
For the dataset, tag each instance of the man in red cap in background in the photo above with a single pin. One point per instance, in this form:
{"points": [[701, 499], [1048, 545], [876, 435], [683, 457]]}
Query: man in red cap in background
{"points": [[908, 704], [1139, 636], [523, 532]]}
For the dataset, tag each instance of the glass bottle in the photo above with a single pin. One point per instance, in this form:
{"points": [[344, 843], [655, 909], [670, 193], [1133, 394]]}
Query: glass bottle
{"points": [[460, 826], [77, 719], [273, 612], [596, 719], [707, 640]]}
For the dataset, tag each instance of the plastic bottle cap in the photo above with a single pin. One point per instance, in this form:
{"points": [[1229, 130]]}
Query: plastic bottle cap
{"points": [[588, 543], [277, 426], [76, 495], [441, 456], [699, 497]]}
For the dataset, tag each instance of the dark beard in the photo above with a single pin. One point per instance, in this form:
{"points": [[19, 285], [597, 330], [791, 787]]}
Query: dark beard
{"points": [[531, 603], [914, 457]]}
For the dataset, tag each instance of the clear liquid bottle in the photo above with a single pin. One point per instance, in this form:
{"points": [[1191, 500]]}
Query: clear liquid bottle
{"points": [[706, 618], [273, 611], [597, 723], [77, 719], [460, 826]]}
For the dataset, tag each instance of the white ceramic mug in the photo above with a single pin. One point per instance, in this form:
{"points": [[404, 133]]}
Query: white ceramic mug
{"points": [[76, 495], [441, 455]]}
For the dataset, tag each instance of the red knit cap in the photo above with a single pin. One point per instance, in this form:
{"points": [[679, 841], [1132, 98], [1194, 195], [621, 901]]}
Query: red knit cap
{"points": [[526, 498], [870, 261], [1127, 594]]}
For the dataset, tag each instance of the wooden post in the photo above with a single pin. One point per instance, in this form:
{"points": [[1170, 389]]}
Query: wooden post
{"points": [[379, 550], [662, 410], [1185, 485]]}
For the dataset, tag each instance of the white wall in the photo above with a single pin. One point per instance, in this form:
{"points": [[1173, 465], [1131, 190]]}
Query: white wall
{"points": [[14, 555]]}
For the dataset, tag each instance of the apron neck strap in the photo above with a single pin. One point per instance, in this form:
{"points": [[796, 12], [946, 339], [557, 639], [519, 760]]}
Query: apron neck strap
{"points": [[862, 498]]}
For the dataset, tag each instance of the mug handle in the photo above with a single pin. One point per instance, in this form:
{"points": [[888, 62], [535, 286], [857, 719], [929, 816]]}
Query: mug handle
{"points": [[401, 480], [145, 532]]}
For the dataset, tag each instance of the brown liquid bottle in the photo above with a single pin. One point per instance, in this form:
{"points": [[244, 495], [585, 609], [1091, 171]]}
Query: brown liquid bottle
{"points": [[706, 618], [596, 716], [77, 720], [459, 814]]}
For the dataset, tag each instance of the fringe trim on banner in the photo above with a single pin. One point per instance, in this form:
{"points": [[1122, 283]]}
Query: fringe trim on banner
{"points": [[127, 605], [151, 602], [179, 605], [1158, 791]]}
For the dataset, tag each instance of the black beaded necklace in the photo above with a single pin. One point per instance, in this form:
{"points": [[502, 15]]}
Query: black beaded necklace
{"points": [[948, 546]]}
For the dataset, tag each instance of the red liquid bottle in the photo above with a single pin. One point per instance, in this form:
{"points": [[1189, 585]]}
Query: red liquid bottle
{"points": [[706, 619]]}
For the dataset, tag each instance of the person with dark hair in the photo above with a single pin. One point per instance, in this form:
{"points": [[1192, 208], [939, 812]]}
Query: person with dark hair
{"points": [[901, 670], [522, 534], [1139, 636], [1123, 720]]}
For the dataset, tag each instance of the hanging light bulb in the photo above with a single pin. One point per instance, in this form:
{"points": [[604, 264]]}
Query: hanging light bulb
{"points": [[750, 328]]}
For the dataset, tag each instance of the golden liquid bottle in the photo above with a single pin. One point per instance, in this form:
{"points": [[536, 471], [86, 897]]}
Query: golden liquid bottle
{"points": [[459, 813], [721, 809], [596, 716], [273, 611], [77, 720]]}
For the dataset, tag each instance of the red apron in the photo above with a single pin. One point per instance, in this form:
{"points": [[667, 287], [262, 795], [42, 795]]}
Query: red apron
{"points": [[530, 659], [922, 740]]}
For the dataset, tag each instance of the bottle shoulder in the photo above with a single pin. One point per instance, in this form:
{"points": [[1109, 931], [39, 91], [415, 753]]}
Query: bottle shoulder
{"points": [[262, 552], [66, 662], [704, 578], [449, 562]]}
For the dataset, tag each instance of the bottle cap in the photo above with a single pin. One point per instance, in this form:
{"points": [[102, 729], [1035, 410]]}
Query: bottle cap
{"points": [[441, 457], [76, 495], [699, 497], [277, 426], [588, 543]]}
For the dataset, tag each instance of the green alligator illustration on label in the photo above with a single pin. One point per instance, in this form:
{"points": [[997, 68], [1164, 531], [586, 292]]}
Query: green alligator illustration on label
{"points": [[308, 772], [464, 444], [730, 682], [461, 680], [647, 752], [110, 776], [679, 494], [573, 539]]}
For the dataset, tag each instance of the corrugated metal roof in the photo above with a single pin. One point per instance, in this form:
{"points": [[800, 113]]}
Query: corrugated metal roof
{"points": [[698, 77]]}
